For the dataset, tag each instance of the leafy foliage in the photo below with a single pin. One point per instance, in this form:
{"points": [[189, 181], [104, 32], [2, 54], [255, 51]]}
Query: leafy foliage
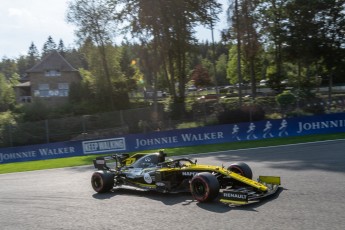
{"points": [[7, 98], [285, 99], [200, 77]]}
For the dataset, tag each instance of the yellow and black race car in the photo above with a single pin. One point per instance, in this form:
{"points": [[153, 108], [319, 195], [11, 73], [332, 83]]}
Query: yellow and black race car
{"points": [[150, 171]]}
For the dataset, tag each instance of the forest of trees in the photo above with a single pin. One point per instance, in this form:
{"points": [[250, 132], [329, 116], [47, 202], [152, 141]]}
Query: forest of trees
{"points": [[276, 40]]}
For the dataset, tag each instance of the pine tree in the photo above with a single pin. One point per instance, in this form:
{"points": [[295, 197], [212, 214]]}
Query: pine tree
{"points": [[33, 55], [61, 48], [48, 46]]}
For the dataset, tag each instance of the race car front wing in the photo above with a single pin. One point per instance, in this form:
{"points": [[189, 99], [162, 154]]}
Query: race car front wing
{"points": [[247, 195]]}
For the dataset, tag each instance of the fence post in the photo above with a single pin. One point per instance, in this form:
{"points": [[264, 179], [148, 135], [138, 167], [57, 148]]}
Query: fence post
{"points": [[47, 130], [83, 122], [10, 135], [121, 118]]}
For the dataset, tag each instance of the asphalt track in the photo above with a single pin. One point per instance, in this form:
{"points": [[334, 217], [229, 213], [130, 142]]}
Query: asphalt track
{"points": [[313, 196]]}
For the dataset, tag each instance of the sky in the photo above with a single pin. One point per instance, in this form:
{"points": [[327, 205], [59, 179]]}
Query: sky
{"points": [[25, 21]]}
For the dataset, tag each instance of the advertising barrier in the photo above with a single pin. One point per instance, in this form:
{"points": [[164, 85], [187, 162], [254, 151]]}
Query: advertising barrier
{"points": [[300, 126]]}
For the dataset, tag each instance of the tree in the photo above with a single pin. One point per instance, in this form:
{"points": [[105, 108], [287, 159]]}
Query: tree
{"points": [[127, 61], [200, 76], [61, 48], [48, 46], [83, 95], [234, 20], [8, 67], [313, 38], [6, 119], [332, 37], [272, 20], [33, 55], [286, 100], [7, 97], [221, 64], [96, 22], [22, 65], [232, 66], [25, 62], [167, 26], [301, 34], [250, 40], [118, 80]]}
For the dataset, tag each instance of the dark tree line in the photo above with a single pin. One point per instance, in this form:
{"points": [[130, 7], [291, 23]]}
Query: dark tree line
{"points": [[287, 39]]}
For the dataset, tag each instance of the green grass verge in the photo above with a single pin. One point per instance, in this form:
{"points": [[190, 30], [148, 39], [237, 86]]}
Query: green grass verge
{"points": [[87, 160]]}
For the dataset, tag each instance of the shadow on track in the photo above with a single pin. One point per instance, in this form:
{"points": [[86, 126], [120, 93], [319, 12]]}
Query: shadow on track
{"points": [[324, 156], [217, 205], [186, 199]]}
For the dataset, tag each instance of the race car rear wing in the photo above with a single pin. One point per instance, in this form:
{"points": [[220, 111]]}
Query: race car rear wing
{"points": [[100, 163], [123, 159]]}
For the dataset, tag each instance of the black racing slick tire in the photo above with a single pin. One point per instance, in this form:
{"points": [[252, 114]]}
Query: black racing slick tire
{"points": [[204, 187], [241, 168], [102, 181]]}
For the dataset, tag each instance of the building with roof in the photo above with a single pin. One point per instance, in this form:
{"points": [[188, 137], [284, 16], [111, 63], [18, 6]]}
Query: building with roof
{"points": [[48, 81]]}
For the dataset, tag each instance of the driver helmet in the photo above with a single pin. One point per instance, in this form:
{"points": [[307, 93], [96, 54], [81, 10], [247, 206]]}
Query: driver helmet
{"points": [[161, 156]]}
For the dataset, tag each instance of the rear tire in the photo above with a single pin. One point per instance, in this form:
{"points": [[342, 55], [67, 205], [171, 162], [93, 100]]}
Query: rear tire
{"points": [[241, 168], [204, 187], [102, 181]]}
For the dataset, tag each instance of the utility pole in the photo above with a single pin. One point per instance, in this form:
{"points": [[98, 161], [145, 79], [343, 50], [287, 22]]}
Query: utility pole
{"points": [[214, 59], [238, 37]]}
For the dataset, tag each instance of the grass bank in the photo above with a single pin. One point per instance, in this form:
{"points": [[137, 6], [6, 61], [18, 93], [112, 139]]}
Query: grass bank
{"points": [[87, 160]]}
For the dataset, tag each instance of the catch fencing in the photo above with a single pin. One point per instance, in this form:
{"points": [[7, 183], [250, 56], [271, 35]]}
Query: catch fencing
{"points": [[203, 111]]}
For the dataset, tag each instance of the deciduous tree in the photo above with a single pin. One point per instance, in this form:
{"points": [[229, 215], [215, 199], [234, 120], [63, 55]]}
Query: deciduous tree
{"points": [[96, 22]]}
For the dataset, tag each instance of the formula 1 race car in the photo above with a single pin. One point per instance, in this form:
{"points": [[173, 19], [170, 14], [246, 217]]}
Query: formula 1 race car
{"points": [[150, 171]]}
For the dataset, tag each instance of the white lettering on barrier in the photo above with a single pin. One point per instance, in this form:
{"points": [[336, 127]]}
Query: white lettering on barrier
{"points": [[188, 137], [29, 155], [18, 155], [307, 126], [56, 151], [155, 141], [104, 145], [89, 147]]}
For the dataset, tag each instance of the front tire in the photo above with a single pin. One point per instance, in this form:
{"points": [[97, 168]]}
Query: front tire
{"points": [[204, 187], [241, 168], [102, 181]]}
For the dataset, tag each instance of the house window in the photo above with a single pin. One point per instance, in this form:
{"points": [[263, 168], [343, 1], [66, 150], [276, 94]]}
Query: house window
{"points": [[52, 73], [43, 90], [63, 89]]}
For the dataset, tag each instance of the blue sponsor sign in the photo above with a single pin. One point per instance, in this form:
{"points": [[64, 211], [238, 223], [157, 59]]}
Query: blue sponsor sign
{"points": [[300, 126], [40, 152], [177, 138]]}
